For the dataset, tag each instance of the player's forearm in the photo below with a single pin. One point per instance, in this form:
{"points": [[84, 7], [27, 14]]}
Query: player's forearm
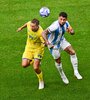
{"points": [[44, 35], [20, 28], [23, 26], [70, 30]]}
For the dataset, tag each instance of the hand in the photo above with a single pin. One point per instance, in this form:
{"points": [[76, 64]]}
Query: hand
{"points": [[19, 29], [72, 32], [49, 44]]}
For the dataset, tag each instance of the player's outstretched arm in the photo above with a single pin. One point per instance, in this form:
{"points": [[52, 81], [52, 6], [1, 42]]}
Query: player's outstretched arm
{"points": [[20, 28]]}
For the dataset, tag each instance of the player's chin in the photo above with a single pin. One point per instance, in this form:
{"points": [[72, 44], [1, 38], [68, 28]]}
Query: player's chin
{"points": [[35, 30], [61, 24]]}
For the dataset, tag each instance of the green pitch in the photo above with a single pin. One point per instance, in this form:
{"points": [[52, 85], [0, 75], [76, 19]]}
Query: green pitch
{"points": [[17, 83]]}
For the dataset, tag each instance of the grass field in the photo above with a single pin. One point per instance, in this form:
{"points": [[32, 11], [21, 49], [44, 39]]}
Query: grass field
{"points": [[17, 83]]}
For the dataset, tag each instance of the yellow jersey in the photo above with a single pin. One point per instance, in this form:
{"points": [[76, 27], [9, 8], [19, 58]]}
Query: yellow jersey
{"points": [[34, 39]]}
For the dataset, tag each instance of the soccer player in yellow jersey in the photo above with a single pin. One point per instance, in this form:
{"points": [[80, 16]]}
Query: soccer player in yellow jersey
{"points": [[34, 48]]}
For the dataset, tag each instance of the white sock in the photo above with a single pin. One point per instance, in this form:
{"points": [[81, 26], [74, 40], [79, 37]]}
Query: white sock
{"points": [[74, 62], [61, 72], [59, 67]]}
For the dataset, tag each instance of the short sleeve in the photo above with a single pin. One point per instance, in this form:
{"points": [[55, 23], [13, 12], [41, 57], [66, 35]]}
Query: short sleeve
{"points": [[52, 27], [67, 24]]}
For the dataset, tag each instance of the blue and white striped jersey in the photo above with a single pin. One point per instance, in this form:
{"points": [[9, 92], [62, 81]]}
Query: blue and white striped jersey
{"points": [[56, 33]]}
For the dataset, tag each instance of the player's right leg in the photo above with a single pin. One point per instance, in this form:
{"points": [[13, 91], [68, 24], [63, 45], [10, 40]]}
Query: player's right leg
{"points": [[25, 62], [58, 64], [27, 58]]}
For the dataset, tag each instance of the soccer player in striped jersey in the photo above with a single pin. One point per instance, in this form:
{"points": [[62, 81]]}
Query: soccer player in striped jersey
{"points": [[55, 40], [34, 48]]}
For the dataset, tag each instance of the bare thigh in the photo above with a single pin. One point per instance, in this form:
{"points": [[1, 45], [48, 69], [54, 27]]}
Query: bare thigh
{"points": [[70, 50]]}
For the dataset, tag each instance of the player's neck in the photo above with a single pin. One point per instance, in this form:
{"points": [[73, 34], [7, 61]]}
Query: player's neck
{"points": [[61, 25]]}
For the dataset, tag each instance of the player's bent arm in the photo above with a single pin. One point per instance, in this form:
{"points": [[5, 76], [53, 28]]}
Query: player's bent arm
{"points": [[44, 35], [70, 30], [20, 28]]}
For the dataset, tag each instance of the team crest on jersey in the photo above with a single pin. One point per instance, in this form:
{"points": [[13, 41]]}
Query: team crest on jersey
{"points": [[39, 56], [32, 37]]}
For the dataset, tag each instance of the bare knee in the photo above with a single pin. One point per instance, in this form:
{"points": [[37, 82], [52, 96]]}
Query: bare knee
{"points": [[25, 63], [58, 60], [70, 50], [36, 66]]}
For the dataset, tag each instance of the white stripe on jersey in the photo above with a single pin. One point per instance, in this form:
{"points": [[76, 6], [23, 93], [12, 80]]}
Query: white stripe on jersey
{"points": [[56, 33]]}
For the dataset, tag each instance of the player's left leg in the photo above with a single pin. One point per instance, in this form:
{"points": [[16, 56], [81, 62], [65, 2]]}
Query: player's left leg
{"points": [[39, 74], [74, 60], [66, 46], [38, 54]]}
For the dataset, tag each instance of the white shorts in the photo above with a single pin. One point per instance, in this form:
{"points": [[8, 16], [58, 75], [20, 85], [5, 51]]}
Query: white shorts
{"points": [[56, 52]]}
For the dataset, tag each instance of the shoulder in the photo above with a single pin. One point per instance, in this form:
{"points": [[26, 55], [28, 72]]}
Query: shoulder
{"points": [[28, 23], [40, 30], [67, 24], [54, 26]]}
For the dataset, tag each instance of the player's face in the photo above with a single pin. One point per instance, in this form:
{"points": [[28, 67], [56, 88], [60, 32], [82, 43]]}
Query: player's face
{"points": [[34, 27], [62, 20]]}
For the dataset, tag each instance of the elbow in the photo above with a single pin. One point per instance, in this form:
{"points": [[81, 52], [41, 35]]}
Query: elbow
{"points": [[42, 34]]}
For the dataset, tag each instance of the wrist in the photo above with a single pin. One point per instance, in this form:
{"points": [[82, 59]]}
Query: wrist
{"points": [[72, 32], [47, 43]]}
